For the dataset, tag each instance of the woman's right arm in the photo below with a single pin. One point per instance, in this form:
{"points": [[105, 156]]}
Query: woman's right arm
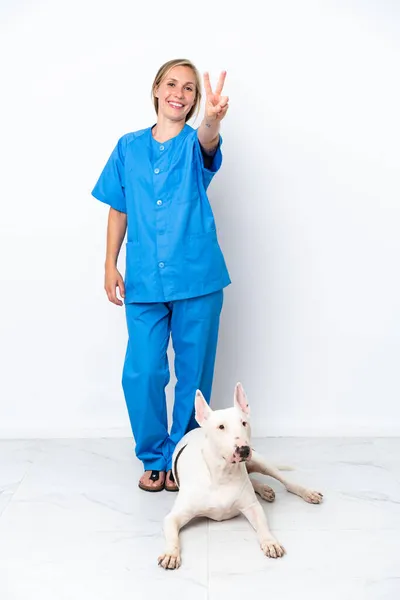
{"points": [[116, 229]]}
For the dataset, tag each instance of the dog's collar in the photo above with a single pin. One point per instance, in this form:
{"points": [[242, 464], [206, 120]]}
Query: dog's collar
{"points": [[176, 464]]}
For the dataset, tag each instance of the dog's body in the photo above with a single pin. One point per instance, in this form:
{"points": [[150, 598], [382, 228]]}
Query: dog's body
{"points": [[211, 466], [209, 493]]}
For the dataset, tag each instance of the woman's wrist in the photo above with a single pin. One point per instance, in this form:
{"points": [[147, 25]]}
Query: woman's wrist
{"points": [[110, 262], [208, 133]]}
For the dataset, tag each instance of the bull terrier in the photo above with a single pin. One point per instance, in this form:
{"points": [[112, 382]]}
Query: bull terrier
{"points": [[211, 466]]}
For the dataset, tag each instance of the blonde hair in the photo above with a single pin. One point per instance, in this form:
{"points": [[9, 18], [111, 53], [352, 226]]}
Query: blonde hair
{"points": [[164, 70]]}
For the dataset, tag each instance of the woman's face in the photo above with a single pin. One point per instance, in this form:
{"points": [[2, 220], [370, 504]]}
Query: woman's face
{"points": [[176, 93]]}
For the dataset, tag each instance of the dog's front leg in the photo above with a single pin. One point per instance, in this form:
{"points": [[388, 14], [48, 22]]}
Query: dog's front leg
{"points": [[256, 517], [173, 522]]}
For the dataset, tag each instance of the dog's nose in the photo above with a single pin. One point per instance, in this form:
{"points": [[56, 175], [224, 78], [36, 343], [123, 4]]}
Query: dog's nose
{"points": [[244, 451]]}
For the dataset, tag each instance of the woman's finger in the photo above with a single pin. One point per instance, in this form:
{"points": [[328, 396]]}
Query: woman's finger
{"points": [[212, 110], [221, 106], [207, 84], [111, 294], [121, 287], [220, 83], [223, 112]]}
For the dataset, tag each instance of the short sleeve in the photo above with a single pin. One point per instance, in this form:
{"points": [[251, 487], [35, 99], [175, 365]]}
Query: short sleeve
{"points": [[110, 187], [209, 170]]}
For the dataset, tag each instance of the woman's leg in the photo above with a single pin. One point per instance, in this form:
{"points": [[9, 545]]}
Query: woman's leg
{"points": [[194, 329], [145, 376]]}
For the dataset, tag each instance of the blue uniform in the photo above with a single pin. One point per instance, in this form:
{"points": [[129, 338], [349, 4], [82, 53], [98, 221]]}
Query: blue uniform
{"points": [[174, 276], [172, 250]]}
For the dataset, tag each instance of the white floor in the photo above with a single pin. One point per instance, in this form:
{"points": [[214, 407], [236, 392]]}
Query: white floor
{"points": [[74, 525]]}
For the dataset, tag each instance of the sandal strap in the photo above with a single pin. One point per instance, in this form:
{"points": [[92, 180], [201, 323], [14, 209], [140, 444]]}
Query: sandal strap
{"points": [[155, 475]]}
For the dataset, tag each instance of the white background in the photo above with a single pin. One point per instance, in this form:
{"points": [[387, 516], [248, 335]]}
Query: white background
{"points": [[306, 204]]}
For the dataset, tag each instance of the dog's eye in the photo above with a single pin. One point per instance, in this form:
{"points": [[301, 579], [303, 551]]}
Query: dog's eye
{"points": [[221, 427], [244, 423]]}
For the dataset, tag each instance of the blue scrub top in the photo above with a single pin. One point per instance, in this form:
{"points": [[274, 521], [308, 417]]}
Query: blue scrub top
{"points": [[172, 249]]}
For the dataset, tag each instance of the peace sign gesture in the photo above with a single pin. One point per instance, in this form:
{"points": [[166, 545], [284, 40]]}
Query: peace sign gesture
{"points": [[216, 105]]}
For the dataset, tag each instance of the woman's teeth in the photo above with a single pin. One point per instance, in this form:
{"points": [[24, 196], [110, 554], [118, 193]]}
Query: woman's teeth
{"points": [[175, 105]]}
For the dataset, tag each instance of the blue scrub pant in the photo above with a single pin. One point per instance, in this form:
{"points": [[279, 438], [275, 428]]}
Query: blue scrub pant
{"points": [[193, 325]]}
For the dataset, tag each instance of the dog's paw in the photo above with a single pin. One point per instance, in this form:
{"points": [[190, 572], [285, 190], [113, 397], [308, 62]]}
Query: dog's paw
{"points": [[312, 496], [267, 493], [272, 548], [170, 560]]}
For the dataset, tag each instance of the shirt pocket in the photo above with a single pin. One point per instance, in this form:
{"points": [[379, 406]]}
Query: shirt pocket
{"points": [[203, 256], [133, 265], [183, 187]]}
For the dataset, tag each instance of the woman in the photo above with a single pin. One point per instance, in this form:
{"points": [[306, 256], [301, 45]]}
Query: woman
{"points": [[155, 182]]}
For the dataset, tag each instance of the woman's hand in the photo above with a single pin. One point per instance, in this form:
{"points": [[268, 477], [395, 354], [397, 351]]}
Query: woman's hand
{"points": [[216, 105], [116, 229], [113, 280], [215, 110]]}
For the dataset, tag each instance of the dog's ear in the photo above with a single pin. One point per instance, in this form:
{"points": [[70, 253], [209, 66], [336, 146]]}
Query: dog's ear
{"points": [[203, 411], [240, 399]]}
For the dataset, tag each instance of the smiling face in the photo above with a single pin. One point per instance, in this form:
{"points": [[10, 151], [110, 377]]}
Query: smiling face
{"points": [[176, 93]]}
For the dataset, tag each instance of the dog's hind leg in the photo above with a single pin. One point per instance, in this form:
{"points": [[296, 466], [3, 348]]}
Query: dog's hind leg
{"points": [[258, 464], [263, 490]]}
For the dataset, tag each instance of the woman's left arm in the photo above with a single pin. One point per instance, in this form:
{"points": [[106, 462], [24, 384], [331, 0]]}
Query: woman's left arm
{"points": [[215, 110]]}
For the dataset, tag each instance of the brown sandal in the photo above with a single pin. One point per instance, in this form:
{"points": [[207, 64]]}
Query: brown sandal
{"points": [[170, 485], [155, 476]]}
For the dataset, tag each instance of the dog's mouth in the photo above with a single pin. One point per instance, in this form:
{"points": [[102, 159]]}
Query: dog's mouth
{"points": [[241, 455]]}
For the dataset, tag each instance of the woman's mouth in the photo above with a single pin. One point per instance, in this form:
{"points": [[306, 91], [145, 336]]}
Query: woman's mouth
{"points": [[175, 105]]}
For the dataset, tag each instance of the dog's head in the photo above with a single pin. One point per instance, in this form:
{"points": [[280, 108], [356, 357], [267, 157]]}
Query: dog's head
{"points": [[227, 430]]}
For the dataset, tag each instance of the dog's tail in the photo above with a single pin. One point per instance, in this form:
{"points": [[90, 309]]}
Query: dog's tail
{"points": [[285, 468]]}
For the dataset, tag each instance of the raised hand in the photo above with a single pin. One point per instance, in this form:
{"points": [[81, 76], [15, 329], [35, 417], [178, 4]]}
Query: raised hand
{"points": [[216, 105]]}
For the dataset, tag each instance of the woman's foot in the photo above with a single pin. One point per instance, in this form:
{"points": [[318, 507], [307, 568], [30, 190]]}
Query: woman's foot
{"points": [[152, 481], [170, 484]]}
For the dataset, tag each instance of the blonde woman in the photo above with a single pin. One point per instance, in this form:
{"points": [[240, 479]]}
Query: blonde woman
{"points": [[155, 183]]}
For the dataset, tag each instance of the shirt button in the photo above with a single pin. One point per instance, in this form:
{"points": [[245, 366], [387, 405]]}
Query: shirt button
{"points": [[159, 202], [156, 171], [161, 265], [161, 147]]}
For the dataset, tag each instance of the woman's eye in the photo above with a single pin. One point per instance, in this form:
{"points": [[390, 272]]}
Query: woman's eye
{"points": [[221, 427], [171, 83], [190, 89]]}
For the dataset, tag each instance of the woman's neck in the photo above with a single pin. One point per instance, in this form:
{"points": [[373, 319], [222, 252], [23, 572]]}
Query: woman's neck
{"points": [[165, 129]]}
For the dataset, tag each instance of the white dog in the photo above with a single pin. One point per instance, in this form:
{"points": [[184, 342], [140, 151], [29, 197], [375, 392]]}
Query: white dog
{"points": [[211, 466]]}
